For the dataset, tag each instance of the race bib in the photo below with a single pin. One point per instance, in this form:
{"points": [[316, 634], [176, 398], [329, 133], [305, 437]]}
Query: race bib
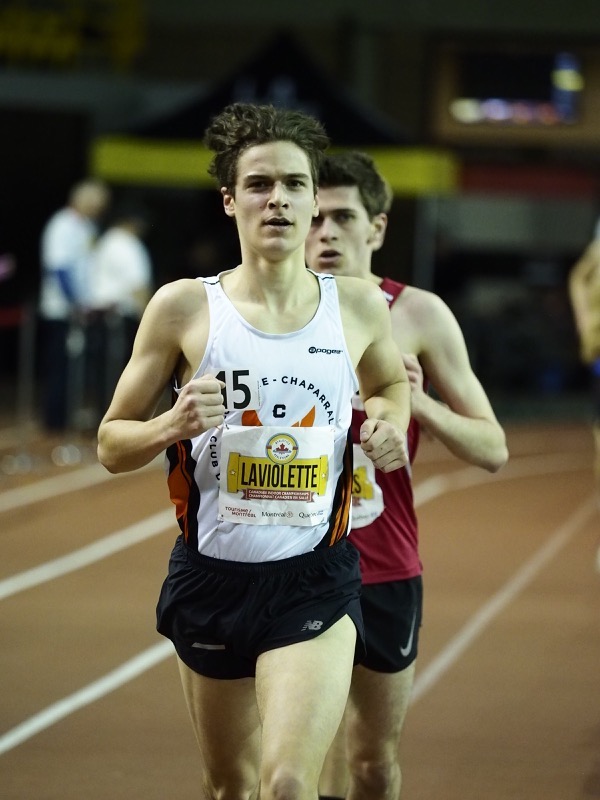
{"points": [[276, 476], [241, 390], [367, 497]]}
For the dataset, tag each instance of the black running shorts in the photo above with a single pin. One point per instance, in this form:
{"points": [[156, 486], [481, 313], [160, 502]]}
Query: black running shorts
{"points": [[392, 615], [221, 615]]}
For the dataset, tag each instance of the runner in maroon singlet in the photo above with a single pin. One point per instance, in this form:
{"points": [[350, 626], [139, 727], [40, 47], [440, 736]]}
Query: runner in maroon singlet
{"points": [[351, 225]]}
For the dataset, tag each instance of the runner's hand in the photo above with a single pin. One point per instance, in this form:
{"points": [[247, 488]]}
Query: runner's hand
{"points": [[384, 444], [198, 407]]}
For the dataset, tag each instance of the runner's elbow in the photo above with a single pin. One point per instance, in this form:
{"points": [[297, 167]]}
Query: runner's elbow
{"points": [[106, 461], [107, 455]]}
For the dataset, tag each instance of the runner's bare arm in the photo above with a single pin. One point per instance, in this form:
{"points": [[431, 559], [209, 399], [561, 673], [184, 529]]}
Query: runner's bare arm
{"points": [[464, 421], [384, 386], [130, 436]]}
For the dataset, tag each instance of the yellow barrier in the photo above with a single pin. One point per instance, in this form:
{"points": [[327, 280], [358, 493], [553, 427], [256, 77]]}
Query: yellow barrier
{"points": [[129, 160]]}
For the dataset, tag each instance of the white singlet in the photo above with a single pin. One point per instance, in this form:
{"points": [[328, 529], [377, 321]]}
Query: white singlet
{"points": [[275, 480]]}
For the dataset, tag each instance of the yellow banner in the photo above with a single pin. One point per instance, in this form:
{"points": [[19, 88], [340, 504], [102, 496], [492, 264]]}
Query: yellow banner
{"points": [[248, 474], [121, 159]]}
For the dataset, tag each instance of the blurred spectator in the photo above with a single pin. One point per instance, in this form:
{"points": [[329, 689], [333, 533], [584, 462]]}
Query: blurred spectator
{"points": [[66, 247], [121, 287]]}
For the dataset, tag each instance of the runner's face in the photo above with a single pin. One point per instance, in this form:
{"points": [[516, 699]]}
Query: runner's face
{"points": [[274, 199], [341, 238]]}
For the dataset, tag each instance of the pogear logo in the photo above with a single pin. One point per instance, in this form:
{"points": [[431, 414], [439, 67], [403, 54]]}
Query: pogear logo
{"points": [[324, 350]]}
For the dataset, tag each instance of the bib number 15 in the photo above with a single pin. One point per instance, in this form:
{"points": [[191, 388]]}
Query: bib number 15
{"points": [[241, 389]]}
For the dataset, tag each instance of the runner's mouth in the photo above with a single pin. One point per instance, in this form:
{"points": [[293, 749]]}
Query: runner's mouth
{"points": [[329, 255], [278, 222]]}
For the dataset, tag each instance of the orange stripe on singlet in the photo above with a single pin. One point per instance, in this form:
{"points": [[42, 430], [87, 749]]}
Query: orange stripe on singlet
{"points": [[179, 482], [251, 419], [342, 516], [308, 421]]}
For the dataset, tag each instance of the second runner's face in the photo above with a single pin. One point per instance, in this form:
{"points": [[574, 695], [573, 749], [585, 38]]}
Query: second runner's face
{"points": [[274, 200], [341, 237]]}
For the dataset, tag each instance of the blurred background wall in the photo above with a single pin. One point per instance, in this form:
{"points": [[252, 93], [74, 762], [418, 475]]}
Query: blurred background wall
{"points": [[485, 116]]}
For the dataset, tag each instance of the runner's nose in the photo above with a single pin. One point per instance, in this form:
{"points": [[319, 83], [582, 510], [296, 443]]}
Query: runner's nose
{"points": [[328, 231], [278, 197]]}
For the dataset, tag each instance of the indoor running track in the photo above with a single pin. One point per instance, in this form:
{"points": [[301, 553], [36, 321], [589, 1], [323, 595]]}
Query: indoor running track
{"points": [[507, 697]]}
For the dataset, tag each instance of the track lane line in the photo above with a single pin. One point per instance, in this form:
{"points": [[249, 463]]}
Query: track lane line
{"points": [[49, 488], [98, 550], [429, 490], [89, 694], [482, 619]]}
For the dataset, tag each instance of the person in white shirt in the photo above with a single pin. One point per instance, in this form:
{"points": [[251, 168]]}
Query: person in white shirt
{"points": [[122, 268], [121, 285], [66, 247]]}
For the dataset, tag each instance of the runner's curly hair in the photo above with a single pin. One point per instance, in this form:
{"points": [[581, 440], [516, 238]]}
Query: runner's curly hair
{"points": [[357, 169], [243, 125]]}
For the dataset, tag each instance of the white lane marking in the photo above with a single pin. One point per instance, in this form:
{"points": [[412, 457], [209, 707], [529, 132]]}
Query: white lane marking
{"points": [[499, 601], [72, 481], [463, 478], [48, 488], [524, 467], [89, 694], [77, 559]]}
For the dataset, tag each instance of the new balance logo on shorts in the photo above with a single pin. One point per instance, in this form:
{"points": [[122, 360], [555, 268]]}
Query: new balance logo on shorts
{"points": [[312, 625]]}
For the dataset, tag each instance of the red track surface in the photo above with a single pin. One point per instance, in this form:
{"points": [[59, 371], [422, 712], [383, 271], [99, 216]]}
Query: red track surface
{"points": [[507, 699]]}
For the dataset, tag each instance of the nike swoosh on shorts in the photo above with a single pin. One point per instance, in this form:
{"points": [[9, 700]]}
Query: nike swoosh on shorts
{"points": [[404, 651]]}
